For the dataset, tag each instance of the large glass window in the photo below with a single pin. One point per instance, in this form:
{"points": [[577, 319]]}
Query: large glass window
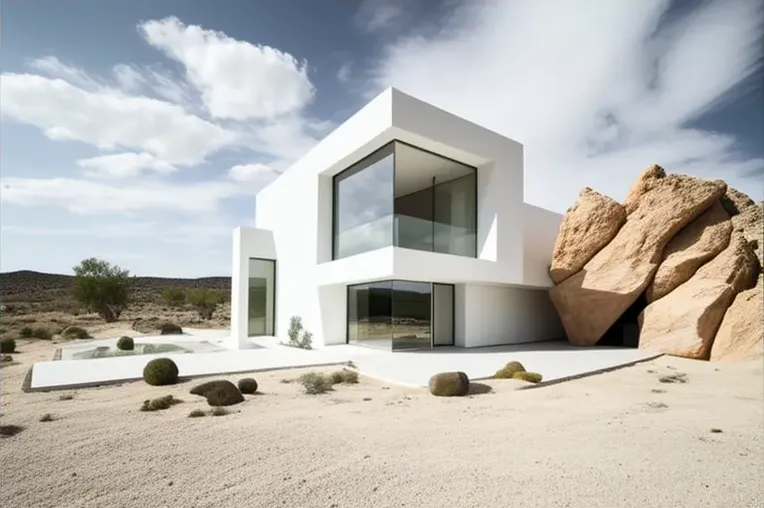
{"points": [[363, 205], [398, 315], [262, 296], [407, 197]]}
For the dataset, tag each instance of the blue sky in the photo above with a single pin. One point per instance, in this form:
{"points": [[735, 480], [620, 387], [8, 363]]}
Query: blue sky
{"points": [[140, 131]]}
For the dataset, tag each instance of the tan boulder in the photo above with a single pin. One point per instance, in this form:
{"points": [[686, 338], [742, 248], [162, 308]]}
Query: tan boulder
{"points": [[647, 180], [741, 334], [587, 227], [696, 244], [685, 321], [735, 201], [750, 222], [591, 300]]}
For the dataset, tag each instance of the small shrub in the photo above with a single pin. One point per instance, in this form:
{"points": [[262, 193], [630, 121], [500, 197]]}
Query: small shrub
{"points": [[160, 371], [219, 411], [196, 413], [298, 336], [247, 385], [10, 430], [47, 417], [205, 301], [679, 377], [315, 383], [26, 332], [531, 377], [75, 332], [509, 370], [160, 403], [345, 376], [126, 343], [449, 384], [7, 346], [66, 397], [174, 296], [170, 329], [42, 333], [224, 395]]}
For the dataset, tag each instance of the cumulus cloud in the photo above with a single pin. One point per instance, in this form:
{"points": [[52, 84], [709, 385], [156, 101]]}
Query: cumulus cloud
{"points": [[252, 173], [596, 91], [237, 79], [125, 165]]}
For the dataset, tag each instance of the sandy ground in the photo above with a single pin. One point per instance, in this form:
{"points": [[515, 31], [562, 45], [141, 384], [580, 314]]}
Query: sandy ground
{"points": [[606, 441]]}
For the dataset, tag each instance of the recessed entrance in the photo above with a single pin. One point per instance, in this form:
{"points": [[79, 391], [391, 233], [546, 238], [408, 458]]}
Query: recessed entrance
{"points": [[401, 315]]}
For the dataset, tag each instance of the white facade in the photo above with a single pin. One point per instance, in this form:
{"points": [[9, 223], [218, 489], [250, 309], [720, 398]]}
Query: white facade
{"points": [[500, 296]]}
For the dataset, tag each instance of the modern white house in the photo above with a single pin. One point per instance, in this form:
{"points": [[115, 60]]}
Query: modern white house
{"points": [[404, 228]]}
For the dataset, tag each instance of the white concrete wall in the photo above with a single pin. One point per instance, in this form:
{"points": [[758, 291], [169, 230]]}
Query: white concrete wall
{"points": [[297, 208], [540, 229], [496, 315]]}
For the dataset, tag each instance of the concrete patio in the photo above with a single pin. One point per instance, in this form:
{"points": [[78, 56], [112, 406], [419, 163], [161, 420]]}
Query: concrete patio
{"points": [[556, 361]]}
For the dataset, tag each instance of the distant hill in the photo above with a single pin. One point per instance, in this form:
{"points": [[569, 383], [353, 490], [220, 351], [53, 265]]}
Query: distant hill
{"points": [[35, 287]]}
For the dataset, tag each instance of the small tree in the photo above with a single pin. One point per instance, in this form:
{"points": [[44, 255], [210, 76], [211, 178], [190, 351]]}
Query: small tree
{"points": [[102, 288], [298, 336], [174, 296], [205, 301]]}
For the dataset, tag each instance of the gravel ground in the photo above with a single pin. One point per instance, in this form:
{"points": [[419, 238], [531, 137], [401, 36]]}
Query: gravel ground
{"points": [[606, 441]]}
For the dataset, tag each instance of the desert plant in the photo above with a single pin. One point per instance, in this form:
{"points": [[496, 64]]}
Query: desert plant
{"points": [[174, 296], [531, 377], [509, 370], [160, 403], [102, 288], [679, 377], [196, 413], [247, 385], [160, 371], [10, 430], [47, 417], [26, 332], [449, 384], [219, 411], [224, 394], [345, 376], [298, 336], [75, 332], [314, 383], [66, 397], [7, 346], [205, 301], [125, 343], [170, 329]]}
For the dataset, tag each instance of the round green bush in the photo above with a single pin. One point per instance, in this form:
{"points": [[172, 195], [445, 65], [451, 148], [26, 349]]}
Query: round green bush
{"points": [[509, 370], [531, 377], [247, 385], [26, 332], [449, 384], [170, 329], [7, 346], [160, 371], [224, 394], [75, 332], [126, 343]]}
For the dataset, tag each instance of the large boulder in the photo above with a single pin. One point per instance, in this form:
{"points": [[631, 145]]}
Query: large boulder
{"points": [[646, 181], [750, 223], [741, 334], [698, 243], [684, 322], [449, 384], [590, 224], [591, 300], [734, 201]]}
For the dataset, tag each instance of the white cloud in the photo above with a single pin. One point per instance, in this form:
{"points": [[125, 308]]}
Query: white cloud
{"points": [[129, 78], [376, 15], [110, 119], [125, 165], [599, 97], [343, 74], [257, 173], [92, 198], [53, 67], [237, 79]]}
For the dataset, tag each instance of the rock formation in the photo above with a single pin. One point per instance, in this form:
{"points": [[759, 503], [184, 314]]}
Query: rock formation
{"points": [[685, 261], [588, 226]]}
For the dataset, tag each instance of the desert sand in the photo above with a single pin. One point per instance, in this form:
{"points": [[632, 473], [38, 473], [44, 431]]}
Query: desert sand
{"points": [[620, 439]]}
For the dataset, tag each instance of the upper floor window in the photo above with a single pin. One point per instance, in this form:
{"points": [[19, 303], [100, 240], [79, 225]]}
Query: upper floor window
{"points": [[407, 197]]}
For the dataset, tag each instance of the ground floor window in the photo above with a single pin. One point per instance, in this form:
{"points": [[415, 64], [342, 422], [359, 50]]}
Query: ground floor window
{"points": [[262, 297], [401, 314]]}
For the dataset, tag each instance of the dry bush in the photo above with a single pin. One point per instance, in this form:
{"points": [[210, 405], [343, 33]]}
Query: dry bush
{"points": [[345, 376], [314, 383], [160, 403], [196, 413]]}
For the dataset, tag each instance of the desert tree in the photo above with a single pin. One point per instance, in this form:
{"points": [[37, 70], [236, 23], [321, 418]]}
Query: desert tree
{"points": [[174, 296], [102, 288], [205, 301]]}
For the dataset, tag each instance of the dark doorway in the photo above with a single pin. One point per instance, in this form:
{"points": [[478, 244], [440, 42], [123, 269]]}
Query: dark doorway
{"points": [[625, 331]]}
